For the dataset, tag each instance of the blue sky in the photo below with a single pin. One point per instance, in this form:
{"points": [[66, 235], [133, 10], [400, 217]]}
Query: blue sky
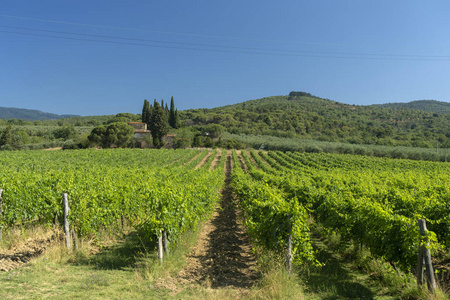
{"points": [[105, 57]]}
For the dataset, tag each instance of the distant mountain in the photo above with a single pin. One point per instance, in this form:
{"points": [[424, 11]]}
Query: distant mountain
{"points": [[29, 114], [432, 106]]}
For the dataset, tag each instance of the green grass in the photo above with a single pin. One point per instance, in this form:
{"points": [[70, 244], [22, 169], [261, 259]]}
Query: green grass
{"points": [[126, 267], [350, 272]]}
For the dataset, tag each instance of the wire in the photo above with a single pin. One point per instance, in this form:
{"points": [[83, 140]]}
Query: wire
{"points": [[219, 48], [226, 51], [224, 46], [161, 32]]}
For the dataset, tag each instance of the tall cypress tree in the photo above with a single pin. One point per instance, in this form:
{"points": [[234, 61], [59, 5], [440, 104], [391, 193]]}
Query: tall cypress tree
{"points": [[159, 125], [173, 115], [146, 113], [177, 119]]}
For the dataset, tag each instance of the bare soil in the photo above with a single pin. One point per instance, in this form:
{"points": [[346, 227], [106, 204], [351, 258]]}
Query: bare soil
{"points": [[216, 160], [203, 161], [242, 161], [222, 256], [20, 255], [252, 159]]}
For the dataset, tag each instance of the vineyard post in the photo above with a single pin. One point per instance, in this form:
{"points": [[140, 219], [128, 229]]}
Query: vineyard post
{"points": [[420, 269], [66, 220], [289, 249], [425, 253], [1, 212], [160, 247], [165, 242], [75, 242], [445, 152]]}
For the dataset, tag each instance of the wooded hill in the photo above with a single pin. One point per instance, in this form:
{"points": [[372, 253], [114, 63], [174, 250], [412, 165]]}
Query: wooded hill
{"points": [[425, 105], [301, 114], [28, 114], [297, 115]]}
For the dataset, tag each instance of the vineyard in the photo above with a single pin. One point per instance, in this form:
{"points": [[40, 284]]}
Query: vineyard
{"points": [[153, 190], [373, 203]]}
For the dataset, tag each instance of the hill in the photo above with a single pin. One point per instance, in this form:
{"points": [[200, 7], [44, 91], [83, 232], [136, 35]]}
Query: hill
{"points": [[424, 105], [298, 115], [28, 114], [303, 115]]}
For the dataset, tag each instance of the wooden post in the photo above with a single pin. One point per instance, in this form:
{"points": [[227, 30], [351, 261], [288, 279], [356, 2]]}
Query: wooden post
{"points": [[420, 266], [165, 242], [66, 220], [160, 247], [75, 242], [424, 248], [446, 153], [289, 250], [1, 212]]}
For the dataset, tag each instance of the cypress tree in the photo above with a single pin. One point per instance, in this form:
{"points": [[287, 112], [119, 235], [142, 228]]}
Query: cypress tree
{"points": [[173, 115], [159, 125], [146, 112], [177, 119]]}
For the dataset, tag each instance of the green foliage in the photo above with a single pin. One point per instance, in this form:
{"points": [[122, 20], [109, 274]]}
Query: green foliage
{"points": [[302, 115], [312, 146], [117, 134], [6, 137], [27, 114], [65, 133], [146, 113], [106, 186], [432, 106], [159, 125], [174, 121], [270, 215], [374, 202]]}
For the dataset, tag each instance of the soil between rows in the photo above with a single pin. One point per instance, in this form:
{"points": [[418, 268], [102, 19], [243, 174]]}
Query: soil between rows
{"points": [[222, 256]]}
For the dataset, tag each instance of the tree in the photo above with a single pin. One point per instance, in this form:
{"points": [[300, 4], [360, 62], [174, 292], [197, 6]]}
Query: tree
{"points": [[173, 115], [159, 125], [146, 113], [65, 133], [117, 134], [6, 138]]}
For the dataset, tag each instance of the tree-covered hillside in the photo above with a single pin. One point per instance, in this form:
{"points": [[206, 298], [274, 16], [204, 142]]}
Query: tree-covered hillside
{"points": [[425, 105], [28, 114], [297, 115], [303, 115]]}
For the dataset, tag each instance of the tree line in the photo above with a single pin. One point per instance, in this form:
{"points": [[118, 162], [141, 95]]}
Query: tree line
{"points": [[158, 117]]}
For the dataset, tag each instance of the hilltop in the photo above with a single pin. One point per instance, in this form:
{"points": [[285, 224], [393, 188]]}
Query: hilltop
{"points": [[298, 115], [303, 115]]}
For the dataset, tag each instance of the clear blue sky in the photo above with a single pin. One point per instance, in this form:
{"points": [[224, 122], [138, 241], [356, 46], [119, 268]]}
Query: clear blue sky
{"points": [[107, 56]]}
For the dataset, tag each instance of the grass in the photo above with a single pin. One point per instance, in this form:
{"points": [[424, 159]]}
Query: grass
{"points": [[126, 267], [350, 272]]}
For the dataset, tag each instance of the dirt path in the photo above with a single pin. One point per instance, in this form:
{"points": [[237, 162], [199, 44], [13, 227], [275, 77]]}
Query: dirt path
{"points": [[222, 256]]}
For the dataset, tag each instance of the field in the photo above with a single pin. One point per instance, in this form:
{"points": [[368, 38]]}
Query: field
{"points": [[229, 218]]}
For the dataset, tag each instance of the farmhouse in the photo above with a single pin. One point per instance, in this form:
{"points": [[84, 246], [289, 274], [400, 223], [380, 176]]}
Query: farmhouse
{"points": [[141, 133]]}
